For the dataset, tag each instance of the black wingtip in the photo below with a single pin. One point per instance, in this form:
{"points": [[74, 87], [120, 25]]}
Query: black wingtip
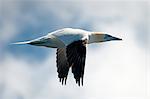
{"points": [[63, 80], [59, 79], [79, 82], [82, 81]]}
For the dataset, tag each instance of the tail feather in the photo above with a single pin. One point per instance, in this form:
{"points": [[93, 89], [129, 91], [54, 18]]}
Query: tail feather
{"points": [[38, 41], [19, 43]]}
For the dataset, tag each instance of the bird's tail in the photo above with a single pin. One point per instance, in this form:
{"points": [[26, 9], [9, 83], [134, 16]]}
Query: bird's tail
{"points": [[37, 42], [20, 43]]}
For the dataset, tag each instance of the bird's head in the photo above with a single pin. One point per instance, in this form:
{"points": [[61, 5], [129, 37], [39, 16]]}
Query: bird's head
{"points": [[101, 37]]}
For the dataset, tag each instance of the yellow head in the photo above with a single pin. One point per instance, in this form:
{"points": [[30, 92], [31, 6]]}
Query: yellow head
{"points": [[97, 37]]}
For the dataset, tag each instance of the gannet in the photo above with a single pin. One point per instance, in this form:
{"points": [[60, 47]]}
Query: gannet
{"points": [[71, 49]]}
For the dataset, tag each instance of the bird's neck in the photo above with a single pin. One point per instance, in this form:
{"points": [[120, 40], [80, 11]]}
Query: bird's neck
{"points": [[96, 38]]}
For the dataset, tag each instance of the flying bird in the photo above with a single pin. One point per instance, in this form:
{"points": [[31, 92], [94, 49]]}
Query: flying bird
{"points": [[71, 49]]}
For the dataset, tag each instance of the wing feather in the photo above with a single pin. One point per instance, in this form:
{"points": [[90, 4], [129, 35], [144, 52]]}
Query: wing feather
{"points": [[76, 55], [62, 64]]}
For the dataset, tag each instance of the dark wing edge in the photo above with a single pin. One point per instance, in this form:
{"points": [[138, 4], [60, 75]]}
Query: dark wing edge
{"points": [[76, 55], [62, 65]]}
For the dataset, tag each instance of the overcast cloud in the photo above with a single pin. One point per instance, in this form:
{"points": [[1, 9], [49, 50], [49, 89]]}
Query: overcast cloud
{"points": [[114, 70]]}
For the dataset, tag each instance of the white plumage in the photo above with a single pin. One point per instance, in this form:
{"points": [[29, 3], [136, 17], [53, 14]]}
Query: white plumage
{"points": [[69, 35], [71, 49]]}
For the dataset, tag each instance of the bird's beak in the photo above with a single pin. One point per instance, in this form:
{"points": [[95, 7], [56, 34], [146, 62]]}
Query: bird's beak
{"points": [[116, 38]]}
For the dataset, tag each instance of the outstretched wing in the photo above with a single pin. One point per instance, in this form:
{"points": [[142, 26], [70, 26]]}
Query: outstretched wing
{"points": [[76, 54], [62, 64]]}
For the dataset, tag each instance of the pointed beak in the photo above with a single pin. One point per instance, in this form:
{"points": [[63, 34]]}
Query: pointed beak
{"points": [[115, 38], [111, 38]]}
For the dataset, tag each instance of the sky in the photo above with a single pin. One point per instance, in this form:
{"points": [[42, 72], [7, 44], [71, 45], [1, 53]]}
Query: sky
{"points": [[114, 70]]}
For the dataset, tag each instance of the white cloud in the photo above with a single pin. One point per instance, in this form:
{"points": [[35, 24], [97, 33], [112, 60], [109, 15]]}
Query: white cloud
{"points": [[114, 70], [119, 70]]}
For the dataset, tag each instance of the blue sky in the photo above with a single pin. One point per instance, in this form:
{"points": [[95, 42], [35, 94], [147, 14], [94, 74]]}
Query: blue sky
{"points": [[114, 70]]}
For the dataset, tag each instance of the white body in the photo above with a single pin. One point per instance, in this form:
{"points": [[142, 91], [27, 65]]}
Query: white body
{"points": [[69, 35], [59, 38], [63, 37]]}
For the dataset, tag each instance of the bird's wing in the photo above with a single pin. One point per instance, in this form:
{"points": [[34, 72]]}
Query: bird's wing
{"points": [[62, 64], [76, 54]]}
